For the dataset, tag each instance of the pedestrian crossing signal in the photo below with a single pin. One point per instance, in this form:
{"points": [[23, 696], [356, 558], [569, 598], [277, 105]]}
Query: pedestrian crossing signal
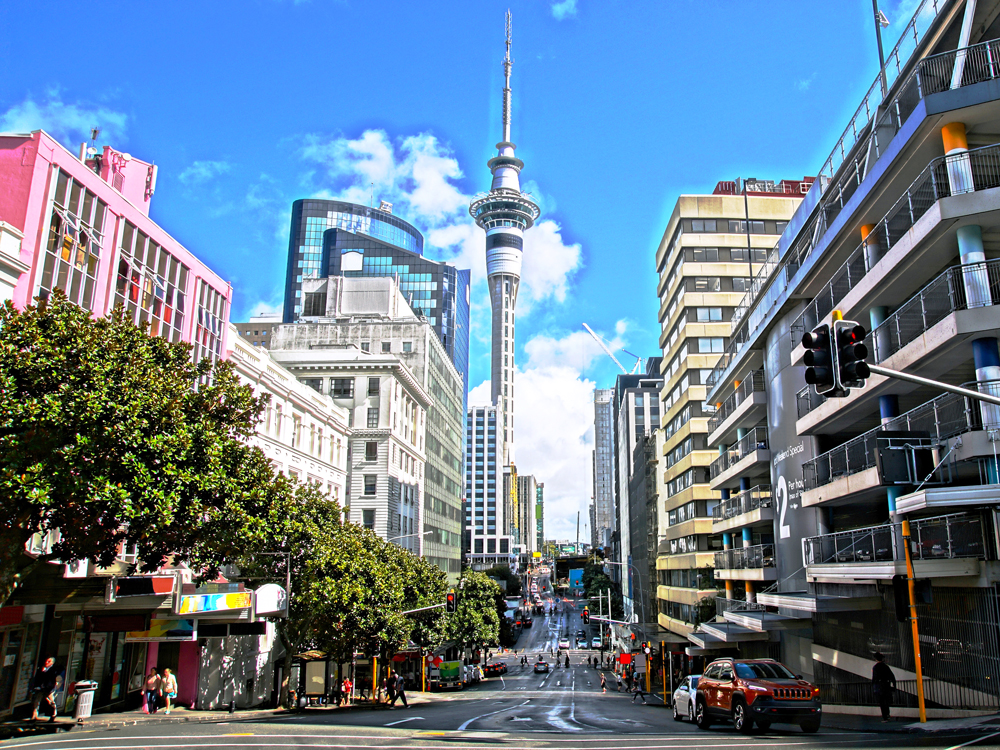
{"points": [[450, 601]]}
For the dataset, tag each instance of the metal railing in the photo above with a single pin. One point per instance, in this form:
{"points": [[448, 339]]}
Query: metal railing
{"points": [[753, 382], [723, 605], [754, 439], [850, 165], [961, 287], [945, 176], [745, 558], [942, 537], [941, 418], [746, 501], [937, 693]]}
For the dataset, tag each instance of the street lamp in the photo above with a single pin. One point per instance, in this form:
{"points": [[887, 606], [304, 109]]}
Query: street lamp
{"points": [[406, 536], [881, 22], [642, 598]]}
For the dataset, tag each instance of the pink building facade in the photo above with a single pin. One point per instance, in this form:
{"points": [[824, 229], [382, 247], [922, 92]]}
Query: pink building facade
{"points": [[86, 230], [80, 223]]}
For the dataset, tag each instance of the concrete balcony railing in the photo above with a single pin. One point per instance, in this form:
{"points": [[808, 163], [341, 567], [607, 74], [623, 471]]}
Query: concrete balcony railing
{"points": [[754, 382], [745, 502], [755, 439], [723, 605], [964, 287], [941, 418], [975, 170], [746, 558], [941, 538]]}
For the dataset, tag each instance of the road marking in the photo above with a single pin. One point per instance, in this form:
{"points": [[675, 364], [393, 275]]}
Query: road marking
{"points": [[465, 726], [520, 718], [973, 742], [403, 721]]}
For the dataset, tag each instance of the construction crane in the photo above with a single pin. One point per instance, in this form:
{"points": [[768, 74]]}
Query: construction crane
{"points": [[638, 361], [607, 351]]}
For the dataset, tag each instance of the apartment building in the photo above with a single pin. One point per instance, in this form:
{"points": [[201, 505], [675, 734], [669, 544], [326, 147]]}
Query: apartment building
{"points": [[900, 233], [488, 540], [604, 468], [712, 246]]}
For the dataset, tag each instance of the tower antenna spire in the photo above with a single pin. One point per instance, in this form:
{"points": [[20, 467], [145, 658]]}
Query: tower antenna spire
{"points": [[507, 63]]}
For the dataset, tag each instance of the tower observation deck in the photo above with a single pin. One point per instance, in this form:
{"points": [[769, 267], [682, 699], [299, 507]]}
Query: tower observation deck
{"points": [[505, 213]]}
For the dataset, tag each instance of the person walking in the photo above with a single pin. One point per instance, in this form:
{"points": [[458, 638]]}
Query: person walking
{"points": [[151, 690], [43, 684], [567, 661], [400, 688], [619, 678], [604, 683], [637, 690], [168, 688], [348, 687], [883, 683]]}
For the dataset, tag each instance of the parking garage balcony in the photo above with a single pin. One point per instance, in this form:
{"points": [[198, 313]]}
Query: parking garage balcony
{"points": [[754, 563], [748, 456], [750, 507], [744, 408]]}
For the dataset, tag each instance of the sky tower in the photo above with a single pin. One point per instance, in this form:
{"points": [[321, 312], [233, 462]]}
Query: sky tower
{"points": [[505, 213]]}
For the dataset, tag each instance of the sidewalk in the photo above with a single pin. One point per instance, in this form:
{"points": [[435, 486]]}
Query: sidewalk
{"points": [[180, 714], [907, 725]]}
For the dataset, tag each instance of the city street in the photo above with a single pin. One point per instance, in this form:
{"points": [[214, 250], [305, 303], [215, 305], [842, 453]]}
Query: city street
{"points": [[562, 709]]}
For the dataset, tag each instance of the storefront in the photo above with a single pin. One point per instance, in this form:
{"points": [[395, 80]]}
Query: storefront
{"points": [[20, 639]]}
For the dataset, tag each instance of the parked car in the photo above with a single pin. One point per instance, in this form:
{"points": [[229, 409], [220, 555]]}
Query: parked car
{"points": [[755, 691], [684, 698], [541, 666], [595, 642], [564, 643], [495, 669]]}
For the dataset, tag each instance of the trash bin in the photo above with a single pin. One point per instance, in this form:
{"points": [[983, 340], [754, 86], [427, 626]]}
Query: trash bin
{"points": [[85, 690]]}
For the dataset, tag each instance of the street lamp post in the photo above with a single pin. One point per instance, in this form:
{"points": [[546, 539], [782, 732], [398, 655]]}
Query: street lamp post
{"points": [[407, 536], [881, 22], [642, 597]]}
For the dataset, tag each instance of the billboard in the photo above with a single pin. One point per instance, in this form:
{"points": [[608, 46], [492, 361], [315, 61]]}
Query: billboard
{"points": [[163, 629], [576, 579]]}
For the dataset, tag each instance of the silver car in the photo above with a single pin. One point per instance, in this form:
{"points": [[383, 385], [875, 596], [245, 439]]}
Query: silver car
{"points": [[684, 698]]}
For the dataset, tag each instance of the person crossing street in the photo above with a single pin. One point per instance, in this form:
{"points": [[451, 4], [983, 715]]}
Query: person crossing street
{"points": [[604, 683], [637, 690]]}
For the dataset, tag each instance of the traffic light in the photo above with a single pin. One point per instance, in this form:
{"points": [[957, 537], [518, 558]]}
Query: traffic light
{"points": [[851, 353], [821, 360], [586, 616], [450, 601]]}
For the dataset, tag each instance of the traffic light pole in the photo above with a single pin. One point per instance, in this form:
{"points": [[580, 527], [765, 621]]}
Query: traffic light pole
{"points": [[885, 372], [421, 609]]}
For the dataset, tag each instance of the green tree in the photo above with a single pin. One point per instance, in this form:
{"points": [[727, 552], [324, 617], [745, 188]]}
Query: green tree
{"points": [[475, 619], [114, 437], [596, 583], [513, 581]]}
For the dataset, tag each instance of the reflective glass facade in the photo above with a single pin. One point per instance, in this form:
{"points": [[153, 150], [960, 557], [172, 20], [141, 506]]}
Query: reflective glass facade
{"points": [[332, 238]]}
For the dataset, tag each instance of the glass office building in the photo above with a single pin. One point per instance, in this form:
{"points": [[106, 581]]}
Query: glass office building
{"points": [[334, 238]]}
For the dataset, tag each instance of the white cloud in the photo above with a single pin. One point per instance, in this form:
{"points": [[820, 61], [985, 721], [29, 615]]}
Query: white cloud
{"points": [[266, 308], [69, 123], [548, 264], [564, 9], [202, 171]]}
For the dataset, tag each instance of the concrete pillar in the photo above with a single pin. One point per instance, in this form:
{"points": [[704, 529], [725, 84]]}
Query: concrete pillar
{"points": [[747, 542], [873, 247], [727, 543], [881, 335], [987, 359], [888, 407], [956, 148], [975, 278], [744, 484]]}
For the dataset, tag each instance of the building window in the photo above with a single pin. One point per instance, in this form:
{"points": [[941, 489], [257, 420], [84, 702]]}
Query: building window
{"points": [[315, 383], [491, 546], [342, 387], [702, 225], [373, 415], [407, 347], [740, 254], [740, 284], [370, 480], [707, 284], [296, 431], [713, 345], [704, 254], [366, 346], [372, 386], [479, 546], [371, 451], [709, 314], [368, 518], [756, 227], [386, 347], [504, 546]]}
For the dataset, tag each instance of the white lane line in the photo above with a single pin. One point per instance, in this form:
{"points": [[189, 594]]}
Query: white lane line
{"points": [[973, 742], [465, 726], [403, 721]]}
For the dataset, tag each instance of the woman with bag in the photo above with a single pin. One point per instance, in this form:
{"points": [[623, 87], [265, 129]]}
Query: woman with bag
{"points": [[168, 687], [150, 691]]}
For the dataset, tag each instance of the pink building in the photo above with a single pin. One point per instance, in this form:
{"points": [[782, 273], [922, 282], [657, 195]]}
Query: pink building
{"points": [[86, 230], [81, 223]]}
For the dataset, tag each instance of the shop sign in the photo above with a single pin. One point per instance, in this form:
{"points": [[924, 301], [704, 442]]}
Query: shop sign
{"points": [[11, 615], [122, 588], [205, 603], [163, 629], [269, 600]]}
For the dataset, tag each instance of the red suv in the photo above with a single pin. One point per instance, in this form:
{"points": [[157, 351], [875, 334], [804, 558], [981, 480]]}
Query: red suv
{"points": [[755, 691]]}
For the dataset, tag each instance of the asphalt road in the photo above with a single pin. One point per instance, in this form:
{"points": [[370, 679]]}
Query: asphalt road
{"points": [[563, 709]]}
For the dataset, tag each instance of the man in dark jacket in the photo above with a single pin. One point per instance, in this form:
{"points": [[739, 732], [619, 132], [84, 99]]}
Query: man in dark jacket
{"points": [[883, 683], [43, 684]]}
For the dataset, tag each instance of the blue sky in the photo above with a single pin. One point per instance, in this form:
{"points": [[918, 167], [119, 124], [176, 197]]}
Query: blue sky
{"points": [[618, 108]]}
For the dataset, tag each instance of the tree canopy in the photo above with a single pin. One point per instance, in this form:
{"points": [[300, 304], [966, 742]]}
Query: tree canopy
{"points": [[115, 437], [475, 619]]}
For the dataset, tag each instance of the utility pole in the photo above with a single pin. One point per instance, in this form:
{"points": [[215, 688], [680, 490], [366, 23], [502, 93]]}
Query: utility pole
{"points": [[578, 532]]}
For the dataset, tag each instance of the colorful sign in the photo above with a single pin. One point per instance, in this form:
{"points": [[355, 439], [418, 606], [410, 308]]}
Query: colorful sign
{"points": [[205, 603], [120, 588], [163, 629]]}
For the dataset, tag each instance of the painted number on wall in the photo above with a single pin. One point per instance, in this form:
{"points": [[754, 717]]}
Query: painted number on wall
{"points": [[784, 530]]}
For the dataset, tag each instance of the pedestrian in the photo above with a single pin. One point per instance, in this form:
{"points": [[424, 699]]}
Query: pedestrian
{"points": [[604, 683], [43, 684], [637, 690], [151, 691], [883, 683], [619, 678], [168, 687], [348, 687], [399, 688], [567, 661]]}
